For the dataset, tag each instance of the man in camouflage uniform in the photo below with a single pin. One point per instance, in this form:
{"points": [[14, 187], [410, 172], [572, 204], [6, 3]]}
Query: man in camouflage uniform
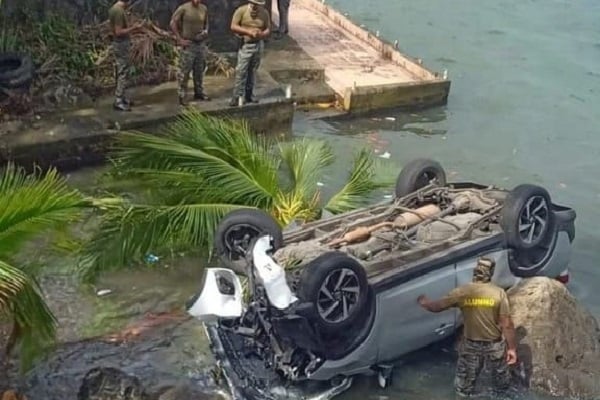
{"points": [[189, 23], [252, 24], [489, 333], [120, 31]]}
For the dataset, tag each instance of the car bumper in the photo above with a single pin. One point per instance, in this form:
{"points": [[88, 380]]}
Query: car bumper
{"points": [[248, 378]]}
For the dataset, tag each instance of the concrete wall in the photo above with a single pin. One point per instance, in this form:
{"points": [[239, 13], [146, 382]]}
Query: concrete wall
{"points": [[86, 11], [82, 149]]}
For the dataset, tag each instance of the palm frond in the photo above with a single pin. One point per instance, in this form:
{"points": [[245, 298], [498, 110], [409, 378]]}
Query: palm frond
{"points": [[207, 152], [304, 161], [32, 203], [362, 183], [131, 231], [22, 301]]}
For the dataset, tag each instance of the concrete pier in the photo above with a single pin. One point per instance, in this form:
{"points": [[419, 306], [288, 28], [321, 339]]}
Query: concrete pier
{"points": [[326, 59], [366, 72]]}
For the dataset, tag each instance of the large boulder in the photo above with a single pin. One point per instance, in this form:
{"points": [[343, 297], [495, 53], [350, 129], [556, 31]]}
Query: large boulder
{"points": [[558, 340]]}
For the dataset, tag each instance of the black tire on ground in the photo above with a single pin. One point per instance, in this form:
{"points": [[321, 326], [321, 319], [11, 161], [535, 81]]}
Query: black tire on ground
{"points": [[417, 174], [241, 227], [16, 70], [337, 286], [527, 218]]}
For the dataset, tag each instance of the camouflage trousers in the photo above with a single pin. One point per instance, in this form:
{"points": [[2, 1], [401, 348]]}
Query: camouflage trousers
{"points": [[283, 7], [473, 355], [248, 61], [122, 65], [191, 58]]}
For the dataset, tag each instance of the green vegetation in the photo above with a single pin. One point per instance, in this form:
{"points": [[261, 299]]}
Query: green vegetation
{"points": [[202, 168], [30, 205], [82, 55]]}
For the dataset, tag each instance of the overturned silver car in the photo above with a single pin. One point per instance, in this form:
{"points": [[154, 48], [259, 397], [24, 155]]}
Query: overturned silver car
{"points": [[337, 297]]}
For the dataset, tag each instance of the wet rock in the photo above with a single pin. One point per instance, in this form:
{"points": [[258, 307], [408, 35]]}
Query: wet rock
{"points": [[170, 354], [559, 340], [106, 383]]}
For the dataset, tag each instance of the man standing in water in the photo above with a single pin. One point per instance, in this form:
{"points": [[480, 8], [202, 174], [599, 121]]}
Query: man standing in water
{"points": [[189, 23], [486, 315], [120, 31], [251, 23]]}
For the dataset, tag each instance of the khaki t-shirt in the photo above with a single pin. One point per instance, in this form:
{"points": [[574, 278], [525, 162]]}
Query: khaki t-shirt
{"points": [[192, 19], [243, 17], [117, 18], [481, 304]]}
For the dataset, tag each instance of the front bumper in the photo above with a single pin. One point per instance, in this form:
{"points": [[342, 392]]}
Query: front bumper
{"points": [[249, 378]]}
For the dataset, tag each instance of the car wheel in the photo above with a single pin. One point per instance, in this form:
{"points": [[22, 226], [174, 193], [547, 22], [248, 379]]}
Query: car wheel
{"points": [[417, 174], [527, 218], [237, 231], [529, 226], [337, 286], [16, 70]]}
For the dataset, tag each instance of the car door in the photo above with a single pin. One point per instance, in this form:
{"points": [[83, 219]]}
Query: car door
{"points": [[406, 326]]}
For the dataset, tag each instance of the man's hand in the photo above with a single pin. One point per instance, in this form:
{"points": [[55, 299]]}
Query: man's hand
{"points": [[137, 26], [184, 42], [511, 356], [255, 33], [422, 300], [202, 35]]}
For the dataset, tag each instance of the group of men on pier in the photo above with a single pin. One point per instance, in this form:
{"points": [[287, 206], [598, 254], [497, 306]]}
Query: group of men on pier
{"points": [[251, 23]]}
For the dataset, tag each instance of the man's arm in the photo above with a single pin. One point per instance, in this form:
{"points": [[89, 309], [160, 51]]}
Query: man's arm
{"points": [[237, 28], [435, 306], [267, 31], [508, 331], [175, 18], [119, 23]]}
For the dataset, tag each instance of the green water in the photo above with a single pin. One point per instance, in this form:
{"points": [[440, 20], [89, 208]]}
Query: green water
{"points": [[523, 107]]}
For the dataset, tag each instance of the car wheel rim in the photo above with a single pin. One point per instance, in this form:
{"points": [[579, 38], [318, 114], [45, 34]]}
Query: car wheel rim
{"points": [[533, 219], [425, 178], [338, 295], [237, 240]]}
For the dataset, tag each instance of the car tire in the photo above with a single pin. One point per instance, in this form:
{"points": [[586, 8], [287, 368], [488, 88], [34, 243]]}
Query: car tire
{"points": [[330, 279], [242, 227], [16, 70], [527, 218], [530, 230], [417, 174]]}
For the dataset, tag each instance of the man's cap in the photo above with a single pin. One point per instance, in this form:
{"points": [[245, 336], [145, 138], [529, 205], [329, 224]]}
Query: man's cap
{"points": [[484, 269], [258, 2]]}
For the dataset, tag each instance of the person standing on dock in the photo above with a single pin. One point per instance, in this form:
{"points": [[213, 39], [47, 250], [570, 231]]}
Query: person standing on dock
{"points": [[283, 8], [189, 23], [489, 333], [120, 32], [252, 24]]}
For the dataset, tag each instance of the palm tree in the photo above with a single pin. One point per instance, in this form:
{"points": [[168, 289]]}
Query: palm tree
{"points": [[30, 205], [186, 180]]}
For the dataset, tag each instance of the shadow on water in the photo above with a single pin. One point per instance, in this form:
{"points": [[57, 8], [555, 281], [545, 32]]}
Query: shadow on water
{"points": [[421, 123]]}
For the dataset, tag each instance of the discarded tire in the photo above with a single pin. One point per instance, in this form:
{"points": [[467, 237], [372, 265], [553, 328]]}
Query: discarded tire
{"points": [[337, 286], [238, 229], [16, 70], [529, 226], [417, 174]]}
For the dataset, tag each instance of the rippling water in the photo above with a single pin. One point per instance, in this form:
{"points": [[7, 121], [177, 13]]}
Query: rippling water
{"points": [[523, 107]]}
